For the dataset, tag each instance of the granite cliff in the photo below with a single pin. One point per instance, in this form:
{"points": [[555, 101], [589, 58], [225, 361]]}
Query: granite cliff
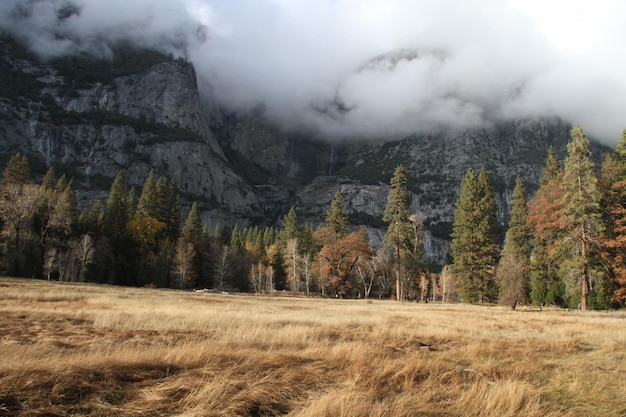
{"points": [[92, 118]]}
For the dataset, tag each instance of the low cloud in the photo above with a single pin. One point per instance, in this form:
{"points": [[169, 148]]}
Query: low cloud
{"points": [[348, 68]]}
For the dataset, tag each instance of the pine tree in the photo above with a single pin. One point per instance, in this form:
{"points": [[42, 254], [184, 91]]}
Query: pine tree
{"points": [[173, 210], [613, 186], [545, 215], [552, 168], [235, 238], [17, 171], [61, 183], [512, 267], [159, 205], [517, 237], [475, 238], [193, 224], [581, 208], [336, 219], [116, 209], [397, 215], [49, 180], [71, 201], [115, 220], [147, 200], [94, 219], [290, 224]]}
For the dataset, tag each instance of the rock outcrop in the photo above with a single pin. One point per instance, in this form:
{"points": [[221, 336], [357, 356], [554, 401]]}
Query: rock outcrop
{"points": [[134, 123], [242, 168]]}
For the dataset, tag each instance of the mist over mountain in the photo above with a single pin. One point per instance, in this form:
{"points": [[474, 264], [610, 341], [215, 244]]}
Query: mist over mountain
{"points": [[347, 69]]}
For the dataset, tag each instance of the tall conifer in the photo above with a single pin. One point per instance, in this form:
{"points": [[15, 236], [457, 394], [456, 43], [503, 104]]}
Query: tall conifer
{"points": [[193, 224], [397, 215], [545, 214], [475, 238], [613, 207], [513, 264], [336, 219], [147, 199], [582, 214], [17, 170]]}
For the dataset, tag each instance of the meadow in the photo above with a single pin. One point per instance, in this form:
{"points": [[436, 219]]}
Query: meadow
{"points": [[88, 350]]}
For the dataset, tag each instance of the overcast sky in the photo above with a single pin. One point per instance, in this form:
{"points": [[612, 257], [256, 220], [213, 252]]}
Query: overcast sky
{"points": [[373, 68]]}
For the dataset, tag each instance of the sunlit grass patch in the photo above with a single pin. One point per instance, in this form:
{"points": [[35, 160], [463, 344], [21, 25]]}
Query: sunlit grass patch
{"points": [[88, 350]]}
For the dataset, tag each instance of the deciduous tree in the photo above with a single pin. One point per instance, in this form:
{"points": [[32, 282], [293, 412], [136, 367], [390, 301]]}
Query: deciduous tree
{"points": [[183, 262]]}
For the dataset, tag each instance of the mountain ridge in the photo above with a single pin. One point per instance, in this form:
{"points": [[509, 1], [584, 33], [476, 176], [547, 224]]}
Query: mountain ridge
{"points": [[240, 167]]}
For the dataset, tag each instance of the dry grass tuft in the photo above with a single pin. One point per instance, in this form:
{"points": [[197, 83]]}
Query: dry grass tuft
{"points": [[86, 350]]}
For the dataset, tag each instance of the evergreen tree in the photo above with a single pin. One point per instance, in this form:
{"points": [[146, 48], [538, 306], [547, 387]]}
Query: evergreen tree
{"points": [[290, 224], [269, 237], [235, 238], [513, 264], [613, 206], [115, 220], [552, 168], [131, 202], [194, 233], [545, 215], [116, 209], [174, 210], [147, 200], [336, 219], [193, 224], [94, 219], [397, 215], [69, 199], [581, 208], [491, 226], [517, 237], [61, 183], [17, 171], [474, 237], [160, 210], [49, 180], [221, 235]]}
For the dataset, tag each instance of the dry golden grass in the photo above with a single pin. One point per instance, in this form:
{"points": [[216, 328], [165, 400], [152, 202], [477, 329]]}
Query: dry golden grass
{"points": [[86, 350]]}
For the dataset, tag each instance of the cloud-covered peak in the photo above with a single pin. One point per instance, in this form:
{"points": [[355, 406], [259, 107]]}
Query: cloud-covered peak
{"points": [[345, 68]]}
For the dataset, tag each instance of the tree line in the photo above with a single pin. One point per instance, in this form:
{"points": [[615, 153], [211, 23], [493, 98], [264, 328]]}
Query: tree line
{"points": [[136, 238], [563, 247]]}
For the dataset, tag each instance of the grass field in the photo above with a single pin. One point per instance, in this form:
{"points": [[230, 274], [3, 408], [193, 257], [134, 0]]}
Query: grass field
{"points": [[86, 350]]}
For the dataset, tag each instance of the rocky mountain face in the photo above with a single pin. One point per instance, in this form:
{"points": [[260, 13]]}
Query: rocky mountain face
{"points": [[146, 113], [91, 127], [435, 164]]}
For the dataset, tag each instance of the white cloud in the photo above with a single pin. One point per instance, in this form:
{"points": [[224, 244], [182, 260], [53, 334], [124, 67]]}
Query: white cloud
{"points": [[311, 62]]}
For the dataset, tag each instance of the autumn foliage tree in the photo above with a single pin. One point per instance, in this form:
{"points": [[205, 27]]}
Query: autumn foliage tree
{"points": [[545, 213], [338, 260]]}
